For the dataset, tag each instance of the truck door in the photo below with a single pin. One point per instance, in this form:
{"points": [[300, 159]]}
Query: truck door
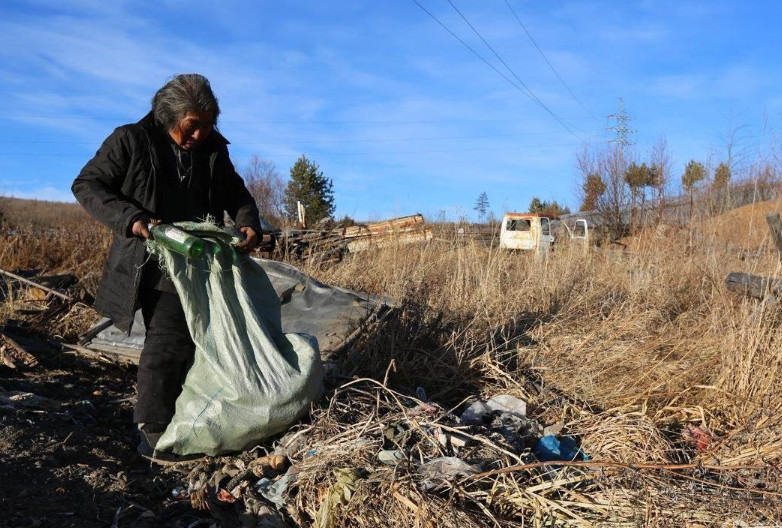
{"points": [[581, 231], [546, 238]]}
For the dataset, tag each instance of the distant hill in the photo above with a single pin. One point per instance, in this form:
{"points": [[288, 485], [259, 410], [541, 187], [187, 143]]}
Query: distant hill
{"points": [[744, 226], [19, 212]]}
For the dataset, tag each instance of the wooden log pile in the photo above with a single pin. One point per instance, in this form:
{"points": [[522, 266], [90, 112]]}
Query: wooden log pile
{"points": [[320, 247], [404, 230], [326, 246], [41, 302]]}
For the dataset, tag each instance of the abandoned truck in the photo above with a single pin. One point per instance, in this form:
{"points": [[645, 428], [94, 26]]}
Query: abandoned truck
{"points": [[532, 231]]}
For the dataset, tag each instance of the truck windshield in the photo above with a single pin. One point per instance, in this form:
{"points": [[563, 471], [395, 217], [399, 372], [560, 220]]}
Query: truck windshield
{"points": [[519, 224]]}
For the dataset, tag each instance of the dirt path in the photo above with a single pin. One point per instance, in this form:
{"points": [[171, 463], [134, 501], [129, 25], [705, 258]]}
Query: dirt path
{"points": [[77, 465]]}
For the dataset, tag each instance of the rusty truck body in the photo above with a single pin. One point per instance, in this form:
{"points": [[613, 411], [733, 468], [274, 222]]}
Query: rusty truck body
{"points": [[536, 232]]}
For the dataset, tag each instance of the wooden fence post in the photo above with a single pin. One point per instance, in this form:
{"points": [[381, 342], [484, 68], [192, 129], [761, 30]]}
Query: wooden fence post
{"points": [[775, 226]]}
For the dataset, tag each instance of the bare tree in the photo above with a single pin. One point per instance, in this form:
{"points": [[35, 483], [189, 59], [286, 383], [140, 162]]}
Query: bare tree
{"points": [[602, 172], [615, 201], [660, 160], [267, 187]]}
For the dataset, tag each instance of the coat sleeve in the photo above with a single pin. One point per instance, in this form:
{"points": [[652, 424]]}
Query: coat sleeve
{"points": [[240, 204], [98, 187]]}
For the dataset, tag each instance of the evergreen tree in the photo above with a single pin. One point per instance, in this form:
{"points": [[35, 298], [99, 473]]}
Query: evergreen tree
{"points": [[722, 186], [592, 189], [693, 173], [536, 205], [553, 208], [482, 205], [308, 186], [722, 176]]}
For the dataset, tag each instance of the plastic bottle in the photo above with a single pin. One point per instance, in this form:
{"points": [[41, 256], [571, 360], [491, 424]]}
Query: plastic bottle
{"points": [[177, 240]]}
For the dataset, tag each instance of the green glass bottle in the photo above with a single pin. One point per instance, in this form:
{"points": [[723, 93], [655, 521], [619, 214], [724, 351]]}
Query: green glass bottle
{"points": [[177, 240]]}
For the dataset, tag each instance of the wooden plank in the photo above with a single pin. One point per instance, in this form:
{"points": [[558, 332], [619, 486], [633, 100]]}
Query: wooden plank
{"points": [[775, 226], [35, 284], [18, 353], [87, 336], [120, 354]]}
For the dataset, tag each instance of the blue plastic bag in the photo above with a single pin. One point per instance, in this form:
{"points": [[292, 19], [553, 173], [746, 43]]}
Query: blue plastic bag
{"points": [[551, 449]]}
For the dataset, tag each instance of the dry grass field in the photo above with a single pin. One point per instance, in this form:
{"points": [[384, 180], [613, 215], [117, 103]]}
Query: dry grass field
{"points": [[630, 348]]}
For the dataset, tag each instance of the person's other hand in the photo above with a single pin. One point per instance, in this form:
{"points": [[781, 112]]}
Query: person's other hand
{"points": [[140, 229], [250, 239]]}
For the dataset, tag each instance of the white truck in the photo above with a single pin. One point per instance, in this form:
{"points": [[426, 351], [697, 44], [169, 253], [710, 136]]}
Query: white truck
{"points": [[532, 231]]}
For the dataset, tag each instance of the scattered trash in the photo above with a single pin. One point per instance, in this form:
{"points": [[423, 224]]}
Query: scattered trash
{"points": [[395, 436], [268, 465], [697, 436], [475, 413], [454, 440], [391, 457], [445, 469], [554, 429], [507, 403], [519, 431], [266, 517], [550, 449], [339, 494], [225, 496], [179, 493], [274, 491], [291, 444], [425, 409]]}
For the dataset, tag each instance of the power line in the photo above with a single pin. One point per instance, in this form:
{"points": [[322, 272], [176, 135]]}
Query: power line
{"points": [[457, 37], [547, 61], [529, 92], [295, 122], [346, 154], [300, 141]]}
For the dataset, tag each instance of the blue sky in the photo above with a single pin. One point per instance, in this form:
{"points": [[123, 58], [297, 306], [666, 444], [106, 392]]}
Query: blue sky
{"points": [[395, 110]]}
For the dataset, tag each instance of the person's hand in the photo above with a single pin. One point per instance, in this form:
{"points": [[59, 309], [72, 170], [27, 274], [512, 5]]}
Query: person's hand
{"points": [[140, 229], [250, 239]]}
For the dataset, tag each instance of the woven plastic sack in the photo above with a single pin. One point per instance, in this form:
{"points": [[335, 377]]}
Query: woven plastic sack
{"points": [[248, 380]]}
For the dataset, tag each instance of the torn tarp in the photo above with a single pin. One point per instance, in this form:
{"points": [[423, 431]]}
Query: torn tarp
{"points": [[332, 315]]}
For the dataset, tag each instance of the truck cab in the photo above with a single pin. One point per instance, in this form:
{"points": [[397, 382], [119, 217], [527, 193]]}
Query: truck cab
{"points": [[526, 231]]}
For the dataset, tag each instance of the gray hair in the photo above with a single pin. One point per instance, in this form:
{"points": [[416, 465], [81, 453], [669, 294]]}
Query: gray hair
{"points": [[183, 93]]}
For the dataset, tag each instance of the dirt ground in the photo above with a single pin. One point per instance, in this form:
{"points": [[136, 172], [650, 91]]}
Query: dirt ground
{"points": [[77, 466]]}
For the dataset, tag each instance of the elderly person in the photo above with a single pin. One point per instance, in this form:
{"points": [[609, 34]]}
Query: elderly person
{"points": [[171, 166]]}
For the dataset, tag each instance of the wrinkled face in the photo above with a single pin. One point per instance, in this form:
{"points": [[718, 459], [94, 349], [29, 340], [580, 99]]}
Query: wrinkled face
{"points": [[192, 129]]}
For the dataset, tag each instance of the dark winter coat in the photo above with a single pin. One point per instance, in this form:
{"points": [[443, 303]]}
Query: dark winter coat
{"points": [[119, 186]]}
